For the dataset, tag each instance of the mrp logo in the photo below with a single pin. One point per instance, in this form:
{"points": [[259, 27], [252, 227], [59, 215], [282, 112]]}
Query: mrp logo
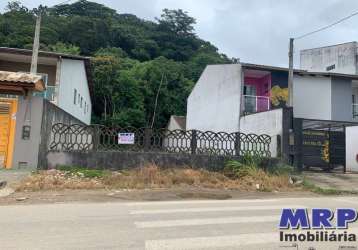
{"points": [[321, 218]]}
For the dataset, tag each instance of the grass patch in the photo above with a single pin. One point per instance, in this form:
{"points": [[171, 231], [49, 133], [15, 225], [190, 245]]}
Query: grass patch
{"points": [[83, 172]]}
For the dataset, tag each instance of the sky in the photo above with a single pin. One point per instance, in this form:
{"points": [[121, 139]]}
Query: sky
{"points": [[256, 31]]}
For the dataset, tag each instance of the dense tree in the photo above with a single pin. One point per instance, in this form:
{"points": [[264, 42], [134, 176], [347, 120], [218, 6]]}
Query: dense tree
{"points": [[65, 48], [133, 59], [177, 21]]}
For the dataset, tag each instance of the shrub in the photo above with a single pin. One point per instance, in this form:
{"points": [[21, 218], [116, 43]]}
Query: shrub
{"points": [[248, 165]]}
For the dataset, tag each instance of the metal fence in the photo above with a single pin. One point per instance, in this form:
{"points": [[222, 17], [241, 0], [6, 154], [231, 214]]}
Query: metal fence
{"points": [[101, 138]]}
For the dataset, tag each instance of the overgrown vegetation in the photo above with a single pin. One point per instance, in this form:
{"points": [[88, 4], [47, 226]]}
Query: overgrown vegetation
{"points": [[235, 176], [251, 168], [133, 59]]}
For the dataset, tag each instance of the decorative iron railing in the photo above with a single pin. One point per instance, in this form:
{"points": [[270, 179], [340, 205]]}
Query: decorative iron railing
{"points": [[254, 104], [101, 138]]}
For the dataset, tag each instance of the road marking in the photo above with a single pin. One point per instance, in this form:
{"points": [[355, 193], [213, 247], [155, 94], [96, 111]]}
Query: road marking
{"points": [[199, 202], [205, 221], [210, 209], [212, 242]]}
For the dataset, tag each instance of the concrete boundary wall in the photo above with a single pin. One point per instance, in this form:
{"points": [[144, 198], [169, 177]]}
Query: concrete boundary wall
{"points": [[270, 123], [51, 115], [118, 160]]}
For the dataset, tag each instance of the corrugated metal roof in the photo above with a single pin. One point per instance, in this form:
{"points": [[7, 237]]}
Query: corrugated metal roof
{"points": [[7, 76]]}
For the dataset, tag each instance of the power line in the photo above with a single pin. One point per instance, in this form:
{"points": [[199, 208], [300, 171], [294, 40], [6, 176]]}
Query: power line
{"points": [[328, 26]]}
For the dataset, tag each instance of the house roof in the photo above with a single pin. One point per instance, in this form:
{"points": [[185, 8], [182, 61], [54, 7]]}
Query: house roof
{"points": [[20, 83], [299, 71], [180, 120], [27, 52], [42, 53]]}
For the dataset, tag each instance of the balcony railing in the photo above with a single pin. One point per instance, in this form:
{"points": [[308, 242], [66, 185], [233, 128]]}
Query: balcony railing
{"points": [[50, 93], [254, 104], [355, 110]]}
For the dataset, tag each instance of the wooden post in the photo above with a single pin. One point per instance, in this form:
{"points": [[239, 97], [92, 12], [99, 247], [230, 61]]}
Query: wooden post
{"points": [[298, 138], [193, 142]]}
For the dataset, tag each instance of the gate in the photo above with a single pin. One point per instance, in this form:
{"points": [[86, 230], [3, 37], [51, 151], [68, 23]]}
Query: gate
{"points": [[320, 143], [8, 108]]}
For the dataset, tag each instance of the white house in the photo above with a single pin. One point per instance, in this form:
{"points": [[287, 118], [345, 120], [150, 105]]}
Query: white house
{"points": [[26, 118], [225, 94], [339, 58], [67, 78]]}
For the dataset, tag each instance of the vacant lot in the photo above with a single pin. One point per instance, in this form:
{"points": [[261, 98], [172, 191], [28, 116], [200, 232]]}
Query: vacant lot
{"points": [[153, 177]]}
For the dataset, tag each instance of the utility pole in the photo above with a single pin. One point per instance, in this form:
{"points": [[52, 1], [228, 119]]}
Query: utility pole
{"points": [[290, 74], [35, 47]]}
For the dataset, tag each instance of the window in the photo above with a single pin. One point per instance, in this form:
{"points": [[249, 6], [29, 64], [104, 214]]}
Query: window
{"points": [[249, 90], [79, 98], [74, 96], [81, 102], [85, 107]]}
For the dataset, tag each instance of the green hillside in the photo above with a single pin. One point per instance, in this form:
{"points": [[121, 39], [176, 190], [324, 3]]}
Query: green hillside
{"points": [[132, 57]]}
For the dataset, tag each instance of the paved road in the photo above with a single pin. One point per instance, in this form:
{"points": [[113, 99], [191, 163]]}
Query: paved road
{"points": [[172, 225]]}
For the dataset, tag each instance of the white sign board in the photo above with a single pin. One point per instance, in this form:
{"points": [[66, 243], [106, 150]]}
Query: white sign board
{"points": [[125, 138]]}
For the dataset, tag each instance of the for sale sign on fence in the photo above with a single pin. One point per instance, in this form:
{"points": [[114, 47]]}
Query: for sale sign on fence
{"points": [[125, 138]]}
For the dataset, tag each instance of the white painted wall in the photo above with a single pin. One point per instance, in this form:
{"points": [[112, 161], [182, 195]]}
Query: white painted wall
{"points": [[343, 56], [269, 123], [351, 149], [73, 76], [312, 97], [214, 103]]}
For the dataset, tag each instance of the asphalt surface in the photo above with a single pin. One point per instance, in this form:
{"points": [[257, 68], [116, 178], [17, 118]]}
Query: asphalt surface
{"points": [[170, 225]]}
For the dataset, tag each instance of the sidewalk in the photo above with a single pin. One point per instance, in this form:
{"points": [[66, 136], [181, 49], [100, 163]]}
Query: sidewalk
{"points": [[11, 176], [339, 181]]}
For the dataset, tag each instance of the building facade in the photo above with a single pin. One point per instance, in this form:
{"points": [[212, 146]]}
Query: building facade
{"points": [[226, 93], [25, 116], [67, 79]]}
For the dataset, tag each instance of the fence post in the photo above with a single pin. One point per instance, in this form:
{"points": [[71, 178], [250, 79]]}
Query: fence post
{"points": [[237, 144], [345, 148], [193, 142], [287, 118], [298, 142], [147, 138], [95, 138], [278, 146]]}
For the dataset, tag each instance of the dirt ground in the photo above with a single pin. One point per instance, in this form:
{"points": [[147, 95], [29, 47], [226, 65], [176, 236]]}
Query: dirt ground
{"points": [[64, 196]]}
